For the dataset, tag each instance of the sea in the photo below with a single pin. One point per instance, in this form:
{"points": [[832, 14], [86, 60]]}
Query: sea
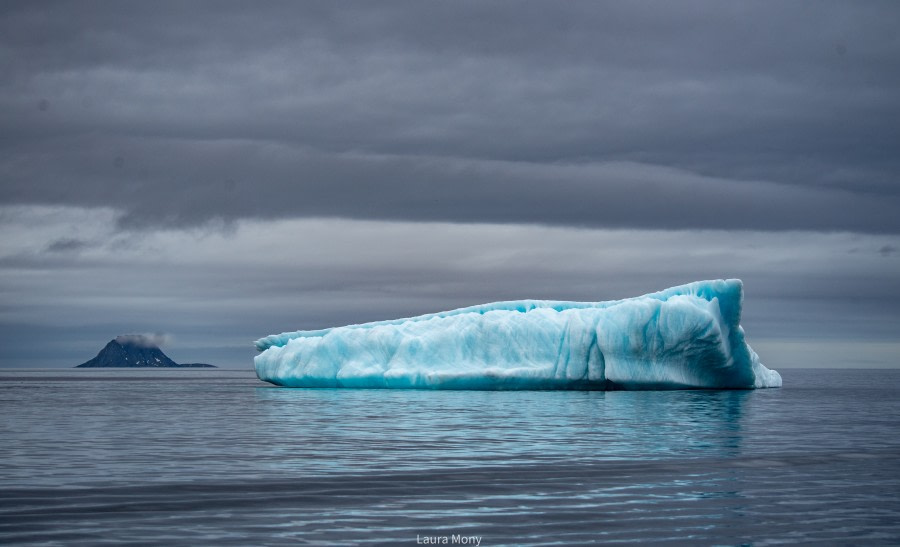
{"points": [[217, 457]]}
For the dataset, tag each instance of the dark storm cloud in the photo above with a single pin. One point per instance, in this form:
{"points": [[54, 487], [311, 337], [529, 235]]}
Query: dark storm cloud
{"points": [[66, 244], [156, 158], [654, 115]]}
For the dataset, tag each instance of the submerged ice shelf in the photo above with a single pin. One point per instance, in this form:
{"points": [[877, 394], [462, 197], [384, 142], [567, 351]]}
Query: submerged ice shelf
{"points": [[680, 338]]}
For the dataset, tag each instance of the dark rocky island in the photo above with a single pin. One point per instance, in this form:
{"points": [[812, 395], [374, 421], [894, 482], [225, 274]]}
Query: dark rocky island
{"points": [[134, 351]]}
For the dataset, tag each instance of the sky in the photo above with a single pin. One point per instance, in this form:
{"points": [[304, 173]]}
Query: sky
{"points": [[214, 172]]}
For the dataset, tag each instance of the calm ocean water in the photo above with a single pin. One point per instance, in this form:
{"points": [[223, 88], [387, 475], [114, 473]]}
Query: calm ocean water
{"points": [[217, 457]]}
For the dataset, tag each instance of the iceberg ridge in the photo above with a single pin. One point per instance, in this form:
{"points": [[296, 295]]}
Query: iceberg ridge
{"points": [[680, 338]]}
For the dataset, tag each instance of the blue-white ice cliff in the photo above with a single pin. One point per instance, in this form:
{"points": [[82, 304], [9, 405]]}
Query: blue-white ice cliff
{"points": [[684, 337]]}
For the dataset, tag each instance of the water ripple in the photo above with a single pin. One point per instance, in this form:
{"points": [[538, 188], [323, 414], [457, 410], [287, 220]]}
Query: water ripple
{"points": [[214, 457]]}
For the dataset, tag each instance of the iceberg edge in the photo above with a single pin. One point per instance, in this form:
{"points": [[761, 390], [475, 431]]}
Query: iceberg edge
{"points": [[685, 337]]}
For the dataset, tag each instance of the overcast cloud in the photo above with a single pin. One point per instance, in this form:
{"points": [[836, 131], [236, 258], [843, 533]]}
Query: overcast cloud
{"points": [[221, 171]]}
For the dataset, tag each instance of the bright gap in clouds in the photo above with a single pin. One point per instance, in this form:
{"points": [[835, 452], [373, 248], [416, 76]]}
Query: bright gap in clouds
{"points": [[71, 281]]}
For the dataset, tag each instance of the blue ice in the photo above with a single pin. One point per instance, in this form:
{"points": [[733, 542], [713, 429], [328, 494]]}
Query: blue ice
{"points": [[680, 338]]}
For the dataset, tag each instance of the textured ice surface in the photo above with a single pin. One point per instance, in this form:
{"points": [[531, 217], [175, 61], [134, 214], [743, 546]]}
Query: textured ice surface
{"points": [[684, 337]]}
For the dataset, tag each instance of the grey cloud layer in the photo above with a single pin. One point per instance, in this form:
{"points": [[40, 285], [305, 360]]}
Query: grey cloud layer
{"points": [[161, 162], [651, 115], [217, 291]]}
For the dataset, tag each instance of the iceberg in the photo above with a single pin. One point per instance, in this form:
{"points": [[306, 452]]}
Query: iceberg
{"points": [[686, 337]]}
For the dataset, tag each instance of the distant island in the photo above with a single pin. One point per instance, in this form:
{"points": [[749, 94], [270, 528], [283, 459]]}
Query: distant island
{"points": [[135, 351]]}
